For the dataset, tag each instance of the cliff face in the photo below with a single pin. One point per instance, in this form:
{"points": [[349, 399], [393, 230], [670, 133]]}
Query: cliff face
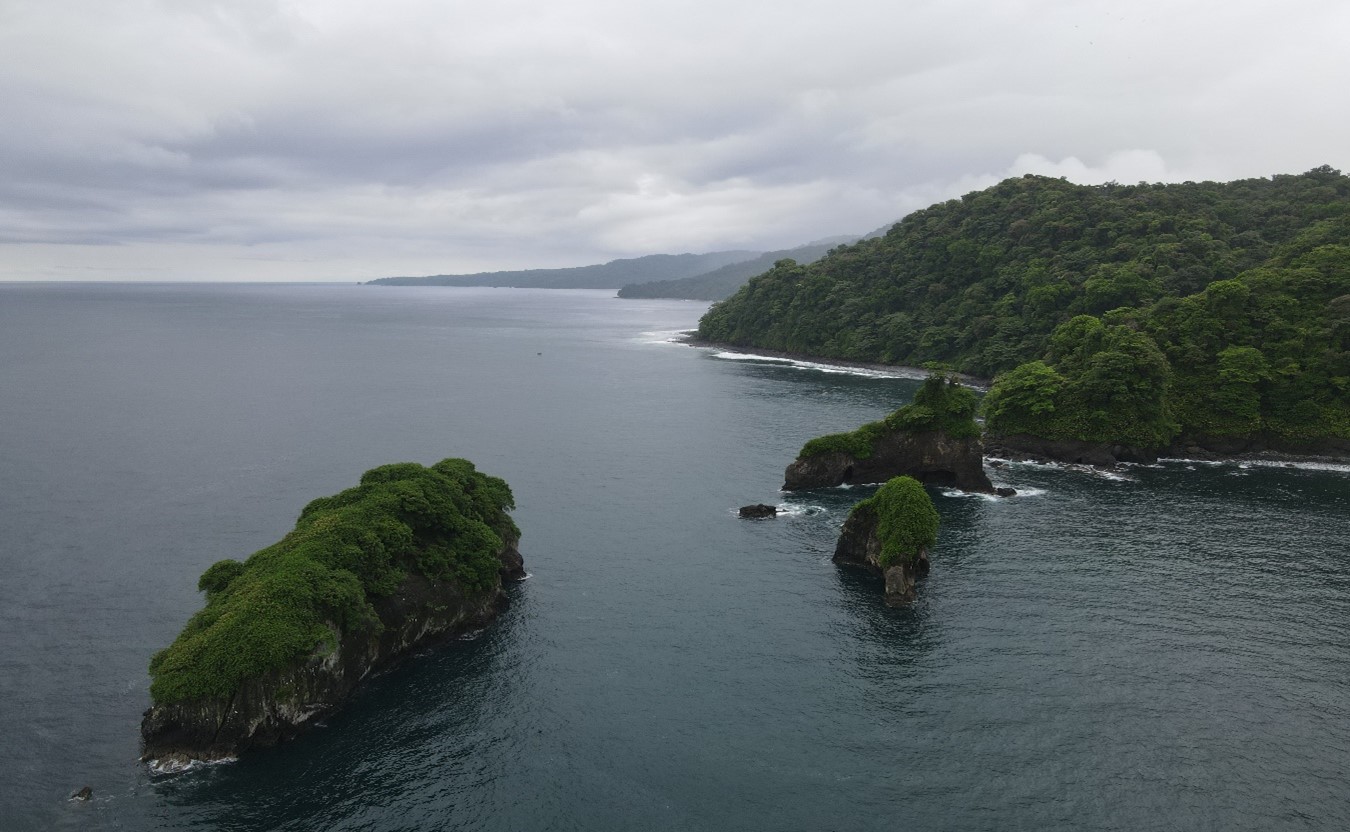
{"points": [[277, 706], [860, 547], [931, 457]]}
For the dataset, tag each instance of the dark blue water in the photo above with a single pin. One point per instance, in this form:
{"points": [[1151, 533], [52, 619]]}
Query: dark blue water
{"points": [[1165, 650]]}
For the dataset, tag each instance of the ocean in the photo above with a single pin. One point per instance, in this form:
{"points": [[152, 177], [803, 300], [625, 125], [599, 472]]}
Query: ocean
{"points": [[1159, 647]]}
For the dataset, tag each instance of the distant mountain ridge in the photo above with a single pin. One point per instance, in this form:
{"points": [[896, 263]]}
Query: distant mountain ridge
{"points": [[609, 275], [722, 283]]}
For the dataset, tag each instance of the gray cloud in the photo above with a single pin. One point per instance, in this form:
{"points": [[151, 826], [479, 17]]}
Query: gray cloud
{"points": [[337, 140]]}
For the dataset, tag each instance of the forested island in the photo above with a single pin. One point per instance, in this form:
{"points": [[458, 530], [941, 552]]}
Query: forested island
{"points": [[410, 554], [1135, 318]]}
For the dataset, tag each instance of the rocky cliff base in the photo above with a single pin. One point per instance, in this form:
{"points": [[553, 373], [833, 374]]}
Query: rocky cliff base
{"points": [[1025, 446], [860, 547], [267, 710], [931, 457], [1105, 454]]}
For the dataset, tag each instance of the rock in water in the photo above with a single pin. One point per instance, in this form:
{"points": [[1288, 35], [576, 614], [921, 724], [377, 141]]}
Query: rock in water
{"points": [[411, 555], [83, 794], [935, 440], [931, 457], [890, 534], [759, 510]]}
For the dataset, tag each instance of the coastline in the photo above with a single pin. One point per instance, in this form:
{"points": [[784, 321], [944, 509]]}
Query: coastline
{"points": [[1330, 451], [689, 338]]}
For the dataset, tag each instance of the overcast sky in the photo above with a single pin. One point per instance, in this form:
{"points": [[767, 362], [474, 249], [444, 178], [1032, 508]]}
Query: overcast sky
{"points": [[335, 140]]}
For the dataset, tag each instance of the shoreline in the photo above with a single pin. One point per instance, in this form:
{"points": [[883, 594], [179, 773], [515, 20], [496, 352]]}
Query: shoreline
{"points": [[690, 339], [1204, 455], [1270, 459]]}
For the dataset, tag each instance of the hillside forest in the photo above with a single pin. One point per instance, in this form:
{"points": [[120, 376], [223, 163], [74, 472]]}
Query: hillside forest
{"points": [[1122, 313]]}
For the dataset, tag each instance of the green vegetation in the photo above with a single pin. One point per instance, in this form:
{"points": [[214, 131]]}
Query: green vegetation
{"points": [[907, 521], [448, 522], [941, 403], [1109, 384], [1129, 314]]}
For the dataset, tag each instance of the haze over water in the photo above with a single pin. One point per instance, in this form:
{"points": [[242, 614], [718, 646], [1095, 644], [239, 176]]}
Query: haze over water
{"points": [[1167, 648]]}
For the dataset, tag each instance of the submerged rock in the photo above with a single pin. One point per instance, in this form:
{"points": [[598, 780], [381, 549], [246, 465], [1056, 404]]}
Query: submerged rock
{"points": [[439, 534], [890, 535], [759, 510]]}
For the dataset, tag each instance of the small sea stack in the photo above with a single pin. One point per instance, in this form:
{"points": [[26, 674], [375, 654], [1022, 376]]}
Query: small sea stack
{"points": [[890, 534]]}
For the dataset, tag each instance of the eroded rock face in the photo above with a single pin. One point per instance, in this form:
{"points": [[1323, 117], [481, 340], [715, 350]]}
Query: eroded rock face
{"points": [[931, 457], [270, 709], [860, 547]]}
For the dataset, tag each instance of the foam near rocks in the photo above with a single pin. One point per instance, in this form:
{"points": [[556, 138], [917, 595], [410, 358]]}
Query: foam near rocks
{"points": [[821, 367]]}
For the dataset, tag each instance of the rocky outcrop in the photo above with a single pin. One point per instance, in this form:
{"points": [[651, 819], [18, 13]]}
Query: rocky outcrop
{"points": [[758, 510], [931, 457], [267, 710], [860, 547]]}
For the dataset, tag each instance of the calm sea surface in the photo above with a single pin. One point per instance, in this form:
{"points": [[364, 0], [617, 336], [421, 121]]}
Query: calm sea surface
{"points": [[1167, 649]]}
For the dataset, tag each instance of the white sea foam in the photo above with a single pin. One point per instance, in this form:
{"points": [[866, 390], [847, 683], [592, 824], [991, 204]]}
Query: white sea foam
{"points": [[1113, 476], [799, 509], [1091, 470], [1248, 463], [1191, 463], [166, 767], [1338, 467], [956, 492], [665, 336], [821, 367]]}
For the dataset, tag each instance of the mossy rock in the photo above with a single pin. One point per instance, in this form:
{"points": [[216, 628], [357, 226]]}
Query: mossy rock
{"points": [[447, 522]]}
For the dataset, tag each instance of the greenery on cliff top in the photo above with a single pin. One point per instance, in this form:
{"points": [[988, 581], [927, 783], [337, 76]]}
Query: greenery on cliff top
{"points": [[907, 520], [1266, 354], [1242, 288], [447, 522], [941, 403]]}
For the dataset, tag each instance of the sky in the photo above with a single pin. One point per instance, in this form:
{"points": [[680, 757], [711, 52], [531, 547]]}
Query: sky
{"points": [[341, 141]]}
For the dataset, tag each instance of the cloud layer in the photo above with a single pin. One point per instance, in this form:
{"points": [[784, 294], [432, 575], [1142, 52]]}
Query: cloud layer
{"points": [[255, 139]]}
